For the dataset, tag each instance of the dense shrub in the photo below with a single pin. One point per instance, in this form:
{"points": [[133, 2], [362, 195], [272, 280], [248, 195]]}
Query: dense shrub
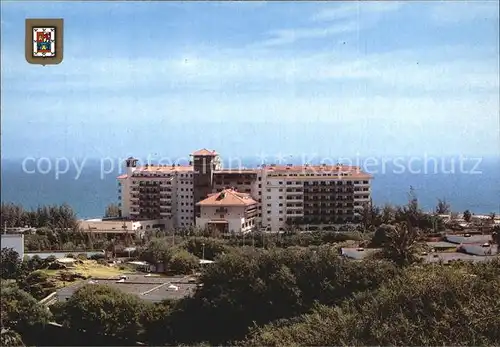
{"points": [[249, 285], [104, 311], [182, 263], [430, 305]]}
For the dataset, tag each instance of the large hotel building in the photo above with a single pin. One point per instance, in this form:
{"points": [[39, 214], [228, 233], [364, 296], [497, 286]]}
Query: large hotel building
{"points": [[204, 194]]}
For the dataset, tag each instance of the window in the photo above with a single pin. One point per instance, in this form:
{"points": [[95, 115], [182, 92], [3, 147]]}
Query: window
{"points": [[268, 190], [268, 205], [280, 197], [281, 219], [281, 190], [268, 198], [260, 185], [281, 205]]}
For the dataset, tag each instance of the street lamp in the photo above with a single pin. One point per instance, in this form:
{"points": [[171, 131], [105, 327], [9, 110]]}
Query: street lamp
{"points": [[203, 251]]}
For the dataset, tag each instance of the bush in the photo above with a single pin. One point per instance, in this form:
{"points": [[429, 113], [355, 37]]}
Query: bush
{"points": [[104, 311], [102, 261], [183, 263], [430, 305], [82, 256], [97, 256], [56, 266], [38, 284], [206, 247], [20, 311], [50, 259], [252, 286]]}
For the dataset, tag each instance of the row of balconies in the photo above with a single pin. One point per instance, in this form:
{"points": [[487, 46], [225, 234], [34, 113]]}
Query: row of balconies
{"points": [[326, 190], [337, 197], [294, 190], [329, 183], [296, 213], [328, 212], [306, 205], [238, 183], [294, 205], [361, 197]]}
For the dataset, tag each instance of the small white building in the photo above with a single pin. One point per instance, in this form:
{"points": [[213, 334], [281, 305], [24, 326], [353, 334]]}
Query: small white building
{"points": [[14, 241], [228, 212]]}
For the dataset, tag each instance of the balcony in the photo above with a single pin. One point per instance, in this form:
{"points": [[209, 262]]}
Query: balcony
{"points": [[294, 207]]}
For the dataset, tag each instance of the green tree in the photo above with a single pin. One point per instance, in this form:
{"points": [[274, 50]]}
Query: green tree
{"points": [[254, 286], [388, 214], [183, 263], [380, 237], [496, 237], [104, 311], [401, 244], [112, 210], [34, 263], [11, 265], [419, 308], [467, 216], [442, 207], [38, 284], [10, 338], [492, 216], [153, 321], [20, 311], [209, 248], [370, 215], [157, 251]]}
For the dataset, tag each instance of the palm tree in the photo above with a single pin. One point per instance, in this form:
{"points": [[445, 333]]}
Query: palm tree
{"points": [[496, 237], [442, 207], [492, 217], [401, 244], [467, 216]]}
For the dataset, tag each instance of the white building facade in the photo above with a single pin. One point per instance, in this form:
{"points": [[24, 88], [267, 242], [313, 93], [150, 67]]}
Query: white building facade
{"points": [[228, 212], [285, 194]]}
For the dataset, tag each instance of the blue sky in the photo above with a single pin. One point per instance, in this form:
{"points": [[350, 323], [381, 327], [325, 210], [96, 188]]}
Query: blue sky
{"points": [[342, 79]]}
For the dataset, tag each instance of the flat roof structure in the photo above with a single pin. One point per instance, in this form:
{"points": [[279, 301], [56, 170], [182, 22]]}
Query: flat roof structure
{"points": [[431, 257], [479, 239], [149, 288], [441, 244]]}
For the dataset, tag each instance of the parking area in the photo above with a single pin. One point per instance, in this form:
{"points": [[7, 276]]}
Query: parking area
{"points": [[147, 287]]}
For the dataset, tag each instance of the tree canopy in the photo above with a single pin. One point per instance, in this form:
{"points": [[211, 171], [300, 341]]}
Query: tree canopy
{"points": [[426, 306]]}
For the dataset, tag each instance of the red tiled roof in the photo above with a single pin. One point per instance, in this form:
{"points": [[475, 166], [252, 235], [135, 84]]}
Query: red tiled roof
{"points": [[204, 152], [166, 168], [228, 197], [351, 171]]}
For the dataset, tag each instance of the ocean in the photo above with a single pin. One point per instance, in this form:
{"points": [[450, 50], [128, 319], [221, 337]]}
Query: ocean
{"points": [[473, 184]]}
